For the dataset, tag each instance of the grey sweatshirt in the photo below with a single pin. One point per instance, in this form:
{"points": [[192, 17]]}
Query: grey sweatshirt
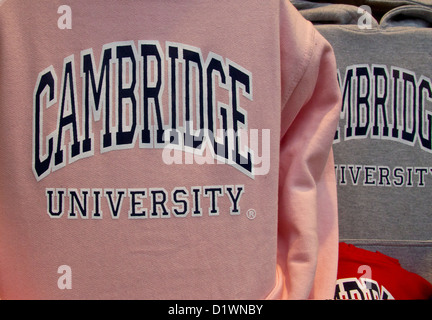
{"points": [[383, 145]]}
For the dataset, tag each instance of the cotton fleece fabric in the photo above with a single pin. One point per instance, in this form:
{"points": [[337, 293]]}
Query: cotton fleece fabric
{"points": [[166, 150], [383, 143]]}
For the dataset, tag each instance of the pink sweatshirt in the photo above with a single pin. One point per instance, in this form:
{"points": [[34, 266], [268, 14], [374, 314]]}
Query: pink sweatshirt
{"points": [[166, 150]]}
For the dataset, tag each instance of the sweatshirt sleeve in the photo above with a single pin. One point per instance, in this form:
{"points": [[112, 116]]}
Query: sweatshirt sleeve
{"points": [[308, 221]]}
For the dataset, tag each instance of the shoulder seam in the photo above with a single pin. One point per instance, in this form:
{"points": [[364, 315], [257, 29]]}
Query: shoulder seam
{"points": [[307, 57]]}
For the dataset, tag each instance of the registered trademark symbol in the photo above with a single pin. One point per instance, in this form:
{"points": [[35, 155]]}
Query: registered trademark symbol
{"points": [[251, 214]]}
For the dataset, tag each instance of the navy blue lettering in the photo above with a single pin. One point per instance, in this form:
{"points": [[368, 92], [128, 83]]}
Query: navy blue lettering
{"points": [[68, 118], [103, 86], [151, 93], [128, 93], [424, 87], [239, 77], [46, 81]]}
